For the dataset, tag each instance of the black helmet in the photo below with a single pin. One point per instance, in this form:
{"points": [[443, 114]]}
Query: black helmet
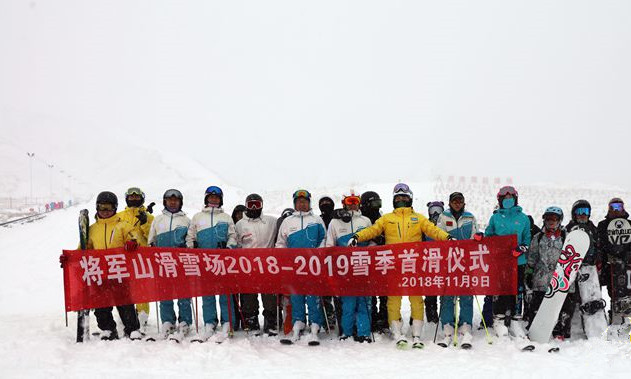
{"points": [[107, 197], [253, 196], [580, 204], [367, 199], [172, 193]]}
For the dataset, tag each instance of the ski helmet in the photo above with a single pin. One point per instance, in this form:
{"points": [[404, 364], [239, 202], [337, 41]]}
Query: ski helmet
{"points": [[301, 193], [616, 204], [581, 207], [107, 197], [173, 193], [351, 199], [553, 211], [507, 190], [253, 205], [370, 199], [134, 191], [435, 208], [239, 208], [402, 189], [213, 190]]}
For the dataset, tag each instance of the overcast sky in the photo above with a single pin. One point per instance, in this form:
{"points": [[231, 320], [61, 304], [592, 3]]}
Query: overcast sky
{"points": [[286, 93]]}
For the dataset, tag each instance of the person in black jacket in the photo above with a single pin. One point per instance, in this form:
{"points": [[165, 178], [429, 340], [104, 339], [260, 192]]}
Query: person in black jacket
{"points": [[614, 243], [370, 206]]}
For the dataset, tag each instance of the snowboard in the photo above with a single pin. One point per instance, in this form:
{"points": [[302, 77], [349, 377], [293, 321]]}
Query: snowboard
{"points": [[83, 316], [569, 262], [592, 306]]}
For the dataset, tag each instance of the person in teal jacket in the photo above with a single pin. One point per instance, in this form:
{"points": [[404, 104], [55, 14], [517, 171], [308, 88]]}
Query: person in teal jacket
{"points": [[507, 220]]}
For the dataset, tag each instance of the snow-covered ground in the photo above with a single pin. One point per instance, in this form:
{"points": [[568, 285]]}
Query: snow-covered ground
{"points": [[36, 342]]}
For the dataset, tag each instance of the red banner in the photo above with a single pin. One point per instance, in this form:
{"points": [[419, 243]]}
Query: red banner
{"points": [[100, 278]]}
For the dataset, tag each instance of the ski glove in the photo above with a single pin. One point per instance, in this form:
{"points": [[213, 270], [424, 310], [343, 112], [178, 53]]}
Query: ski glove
{"points": [[62, 260], [353, 241], [379, 240], [142, 217], [528, 276], [150, 207], [451, 238], [519, 250], [478, 236], [131, 245]]}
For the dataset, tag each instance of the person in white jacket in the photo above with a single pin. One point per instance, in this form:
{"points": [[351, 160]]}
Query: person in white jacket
{"points": [[213, 229], [355, 309], [303, 229], [169, 230], [256, 230]]}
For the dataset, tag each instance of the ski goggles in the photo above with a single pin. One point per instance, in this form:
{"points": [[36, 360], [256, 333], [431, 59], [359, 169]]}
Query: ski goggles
{"points": [[402, 189], [105, 207], [351, 200], [618, 207], [302, 193], [214, 190], [507, 190], [582, 211], [173, 193], [134, 191], [254, 204], [374, 203], [435, 210]]}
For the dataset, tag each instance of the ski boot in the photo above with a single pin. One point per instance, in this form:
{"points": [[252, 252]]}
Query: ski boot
{"points": [[417, 329], [448, 331]]}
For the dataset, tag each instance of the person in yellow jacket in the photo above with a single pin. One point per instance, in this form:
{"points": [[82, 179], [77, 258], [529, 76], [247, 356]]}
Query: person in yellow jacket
{"points": [[136, 215], [109, 232], [402, 225]]}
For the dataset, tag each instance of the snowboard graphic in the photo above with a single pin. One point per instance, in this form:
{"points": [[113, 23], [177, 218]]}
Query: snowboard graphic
{"points": [[574, 250]]}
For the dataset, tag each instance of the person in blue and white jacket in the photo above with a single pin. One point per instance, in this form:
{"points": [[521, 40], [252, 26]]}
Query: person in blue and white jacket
{"points": [[169, 230], [355, 309], [303, 229], [461, 225], [212, 228]]}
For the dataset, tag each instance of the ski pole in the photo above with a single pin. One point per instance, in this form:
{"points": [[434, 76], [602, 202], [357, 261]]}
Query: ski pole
{"points": [[456, 319], [243, 325], [157, 317], [486, 330], [228, 296], [196, 317], [326, 317], [367, 299], [278, 310], [66, 319], [440, 309]]}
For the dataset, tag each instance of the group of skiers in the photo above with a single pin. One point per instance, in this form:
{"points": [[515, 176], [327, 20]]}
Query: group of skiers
{"points": [[360, 222]]}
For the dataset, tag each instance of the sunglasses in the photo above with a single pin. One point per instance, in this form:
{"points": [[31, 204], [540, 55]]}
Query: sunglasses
{"points": [[582, 211], [351, 200], [617, 206], [254, 204], [105, 207]]}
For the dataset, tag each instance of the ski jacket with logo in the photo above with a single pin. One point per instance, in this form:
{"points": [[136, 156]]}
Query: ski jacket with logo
{"points": [[169, 229], [543, 256], [461, 229], [110, 233], [402, 225], [340, 232], [257, 232], [211, 229], [505, 222], [614, 238], [301, 230], [142, 231]]}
